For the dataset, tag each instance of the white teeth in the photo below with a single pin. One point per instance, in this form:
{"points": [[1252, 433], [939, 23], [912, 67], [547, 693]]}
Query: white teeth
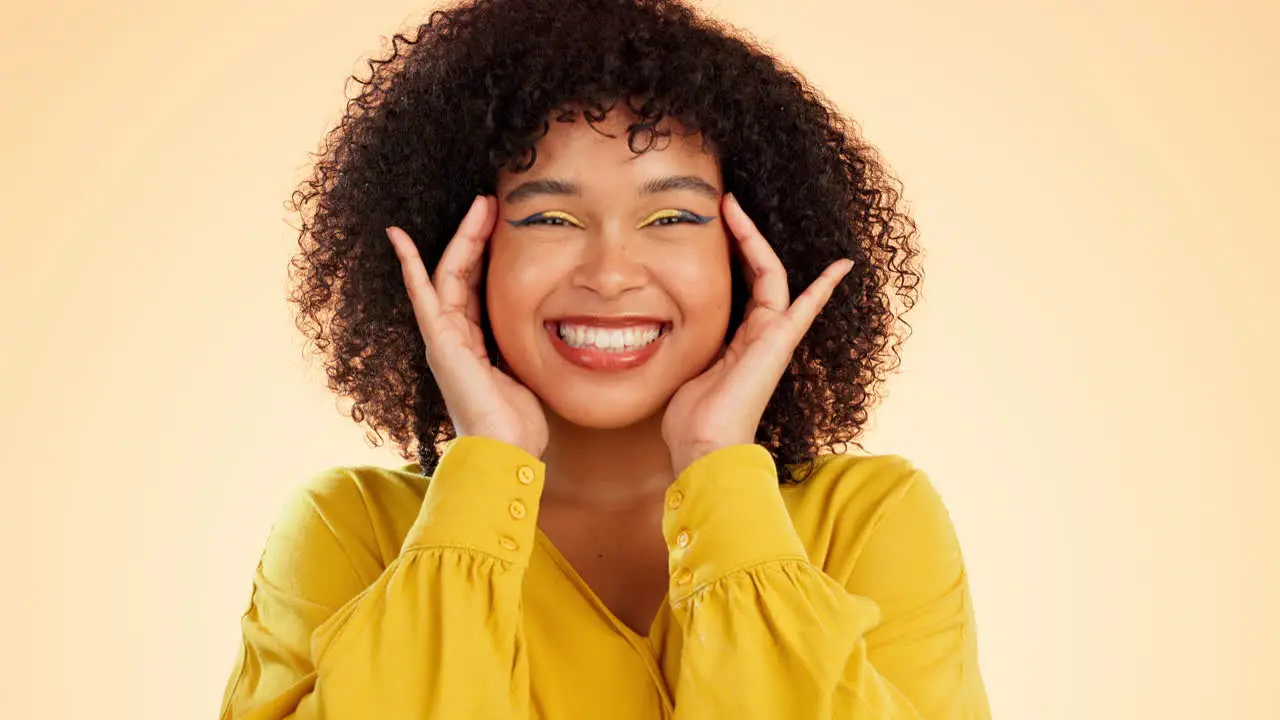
{"points": [[608, 339]]}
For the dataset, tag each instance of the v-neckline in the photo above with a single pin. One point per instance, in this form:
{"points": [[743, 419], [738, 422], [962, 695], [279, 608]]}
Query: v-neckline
{"points": [[642, 644], [571, 573]]}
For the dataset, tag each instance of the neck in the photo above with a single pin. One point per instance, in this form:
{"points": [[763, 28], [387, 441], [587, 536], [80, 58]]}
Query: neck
{"points": [[614, 468]]}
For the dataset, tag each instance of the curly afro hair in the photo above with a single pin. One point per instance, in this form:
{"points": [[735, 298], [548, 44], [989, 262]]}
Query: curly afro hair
{"points": [[472, 91]]}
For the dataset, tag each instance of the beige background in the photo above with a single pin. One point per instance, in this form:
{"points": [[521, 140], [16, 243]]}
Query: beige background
{"points": [[1089, 385]]}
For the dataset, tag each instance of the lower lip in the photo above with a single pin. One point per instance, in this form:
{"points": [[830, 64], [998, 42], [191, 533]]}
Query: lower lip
{"points": [[602, 360]]}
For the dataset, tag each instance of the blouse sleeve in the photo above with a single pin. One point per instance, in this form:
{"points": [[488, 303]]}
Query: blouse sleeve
{"points": [[766, 634], [437, 634]]}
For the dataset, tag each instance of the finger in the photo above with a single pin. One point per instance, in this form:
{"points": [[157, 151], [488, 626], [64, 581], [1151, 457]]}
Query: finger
{"points": [[473, 308], [765, 273], [458, 273], [416, 279], [776, 345], [805, 309]]}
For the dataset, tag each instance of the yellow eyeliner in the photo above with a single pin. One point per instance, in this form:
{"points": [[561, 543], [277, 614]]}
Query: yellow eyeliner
{"points": [[567, 219], [563, 216], [660, 215]]}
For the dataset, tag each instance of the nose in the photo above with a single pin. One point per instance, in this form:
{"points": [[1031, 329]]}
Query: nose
{"points": [[609, 266]]}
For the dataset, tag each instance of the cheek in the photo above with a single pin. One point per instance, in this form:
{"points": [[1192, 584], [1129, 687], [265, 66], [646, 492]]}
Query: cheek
{"points": [[508, 290], [518, 280], [701, 282]]}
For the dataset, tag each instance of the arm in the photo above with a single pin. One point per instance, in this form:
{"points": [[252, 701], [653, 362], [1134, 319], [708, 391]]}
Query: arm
{"points": [[436, 635], [767, 634]]}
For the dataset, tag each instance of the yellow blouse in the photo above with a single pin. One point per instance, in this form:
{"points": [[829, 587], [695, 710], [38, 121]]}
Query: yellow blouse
{"points": [[381, 595]]}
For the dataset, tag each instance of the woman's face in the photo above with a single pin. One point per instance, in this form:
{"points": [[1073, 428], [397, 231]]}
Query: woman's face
{"points": [[609, 280]]}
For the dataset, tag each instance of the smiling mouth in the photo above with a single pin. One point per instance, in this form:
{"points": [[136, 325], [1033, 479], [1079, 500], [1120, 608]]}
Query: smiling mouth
{"points": [[583, 336], [608, 344]]}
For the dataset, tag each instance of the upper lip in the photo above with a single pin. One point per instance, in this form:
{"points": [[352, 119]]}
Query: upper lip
{"points": [[609, 321]]}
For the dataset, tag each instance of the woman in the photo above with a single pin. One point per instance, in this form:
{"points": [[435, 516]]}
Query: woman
{"points": [[637, 505]]}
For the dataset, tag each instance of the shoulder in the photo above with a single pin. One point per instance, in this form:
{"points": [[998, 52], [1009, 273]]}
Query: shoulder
{"points": [[364, 490], [851, 490], [854, 507], [355, 516]]}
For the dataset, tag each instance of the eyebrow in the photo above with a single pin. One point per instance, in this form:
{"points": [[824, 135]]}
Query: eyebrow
{"points": [[532, 188], [680, 182]]}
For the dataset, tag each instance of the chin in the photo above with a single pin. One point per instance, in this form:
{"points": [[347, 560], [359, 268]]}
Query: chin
{"points": [[594, 409]]}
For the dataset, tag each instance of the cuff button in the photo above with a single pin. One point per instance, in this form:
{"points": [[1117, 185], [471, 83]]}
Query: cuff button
{"points": [[525, 475], [674, 500]]}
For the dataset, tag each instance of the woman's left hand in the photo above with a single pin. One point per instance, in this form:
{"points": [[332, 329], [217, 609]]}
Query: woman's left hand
{"points": [[723, 406]]}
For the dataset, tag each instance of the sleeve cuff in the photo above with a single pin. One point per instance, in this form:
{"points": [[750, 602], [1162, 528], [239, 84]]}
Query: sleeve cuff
{"points": [[725, 513], [483, 496]]}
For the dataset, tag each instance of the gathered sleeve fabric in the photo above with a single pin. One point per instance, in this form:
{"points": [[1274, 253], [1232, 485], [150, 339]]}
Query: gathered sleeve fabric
{"points": [[766, 633], [436, 634]]}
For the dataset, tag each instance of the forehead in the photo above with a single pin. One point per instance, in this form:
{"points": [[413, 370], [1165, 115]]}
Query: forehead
{"points": [[599, 152]]}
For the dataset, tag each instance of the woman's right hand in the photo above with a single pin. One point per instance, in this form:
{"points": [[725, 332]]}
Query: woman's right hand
{"points": [[481, 399]]}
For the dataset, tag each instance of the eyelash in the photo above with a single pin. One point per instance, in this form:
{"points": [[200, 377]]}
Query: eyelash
{"points": [[684, 217]]}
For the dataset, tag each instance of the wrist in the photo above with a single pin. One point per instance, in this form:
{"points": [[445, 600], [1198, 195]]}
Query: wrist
{"points": [[525, 441], [523, 444], [683, 456]]}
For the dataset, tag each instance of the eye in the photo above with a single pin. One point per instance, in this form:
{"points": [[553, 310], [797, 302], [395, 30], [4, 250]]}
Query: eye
{"points": [[675, 217], [554, 218]]}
